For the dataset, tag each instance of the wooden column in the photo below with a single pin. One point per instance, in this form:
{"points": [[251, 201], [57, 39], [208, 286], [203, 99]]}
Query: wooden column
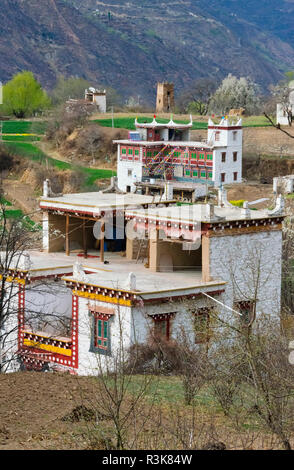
{"points": [[205, 259], [153, 250], [85, 239], [67, 246], [102, 241]]}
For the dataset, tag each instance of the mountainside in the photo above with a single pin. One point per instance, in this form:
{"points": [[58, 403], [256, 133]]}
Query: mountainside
{"points": [[131, 45]]}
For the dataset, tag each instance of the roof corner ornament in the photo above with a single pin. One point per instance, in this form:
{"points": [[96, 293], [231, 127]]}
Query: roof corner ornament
{"points": [[47, 191], [223, 198], [79, 273], [279, 207]]}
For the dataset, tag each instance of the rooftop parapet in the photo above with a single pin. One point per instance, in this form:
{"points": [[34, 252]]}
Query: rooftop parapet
{"points": [[170, 125]]}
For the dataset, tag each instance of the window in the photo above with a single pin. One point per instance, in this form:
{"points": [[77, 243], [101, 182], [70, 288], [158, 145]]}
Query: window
{"points": [[210, 175], [100, 338], [202, 325], [149, 154], [247, 310], [235, 156], [130, 173], [124, 151], [195, 174], [235, 175], [187, 172], [209, 157], [194, 155], [101, 334], [224, 157], [162, 328], [223, 177], [201, 156], [235, 135], [130, 151], [217, 136], [203, 174], [136, 152]]}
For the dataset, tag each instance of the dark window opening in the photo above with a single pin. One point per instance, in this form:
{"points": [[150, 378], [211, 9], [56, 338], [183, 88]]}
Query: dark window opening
{"points": [[247, 311], [202, 325], [162, 328]]}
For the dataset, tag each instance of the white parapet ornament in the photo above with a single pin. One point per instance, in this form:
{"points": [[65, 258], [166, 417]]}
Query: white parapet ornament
{"points": [[79, 273], [46, 188], [131, 283], [245, 210], [24, 261], [279, 207], [223, 198]]}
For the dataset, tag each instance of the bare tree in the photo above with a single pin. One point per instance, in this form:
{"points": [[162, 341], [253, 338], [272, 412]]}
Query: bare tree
{"points": [[120, 395], [197, 98], [15, 240]]}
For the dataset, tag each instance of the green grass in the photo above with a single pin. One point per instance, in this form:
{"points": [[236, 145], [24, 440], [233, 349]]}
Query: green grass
{"points": [[24, 127], [129, 122], [33, 153], [25, 220], [20, 138], [168, 389], [4, 202]]}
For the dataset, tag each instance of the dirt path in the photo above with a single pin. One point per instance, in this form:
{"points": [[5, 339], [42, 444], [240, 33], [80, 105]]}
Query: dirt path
{"points": [[47, 148]]}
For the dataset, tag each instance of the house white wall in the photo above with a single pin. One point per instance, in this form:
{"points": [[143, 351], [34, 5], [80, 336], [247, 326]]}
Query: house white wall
{"points": [[100, 100], [248, 262], [128, 172], [120, 324], [229, 167]]}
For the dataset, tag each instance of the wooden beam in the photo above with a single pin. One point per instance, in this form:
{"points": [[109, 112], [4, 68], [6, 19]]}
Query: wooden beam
{"points": [[85, 239], [67, 245]]}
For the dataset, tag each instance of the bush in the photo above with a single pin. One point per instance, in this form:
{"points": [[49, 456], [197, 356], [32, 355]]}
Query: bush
{"points": [[157, 355], [6, 159]]}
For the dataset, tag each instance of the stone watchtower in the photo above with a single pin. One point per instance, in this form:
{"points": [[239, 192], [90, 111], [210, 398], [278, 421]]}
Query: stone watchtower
{"points": [[165, 97]]}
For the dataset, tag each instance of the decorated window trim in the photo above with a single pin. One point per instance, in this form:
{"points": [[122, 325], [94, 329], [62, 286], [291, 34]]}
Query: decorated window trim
{"points": [[161, 318]]}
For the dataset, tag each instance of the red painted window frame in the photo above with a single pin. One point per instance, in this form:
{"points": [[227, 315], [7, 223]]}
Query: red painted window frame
{"points": [[161, 320]]}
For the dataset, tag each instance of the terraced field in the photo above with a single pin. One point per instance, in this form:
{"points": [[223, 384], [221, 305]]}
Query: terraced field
{"points": [[20, 138]]}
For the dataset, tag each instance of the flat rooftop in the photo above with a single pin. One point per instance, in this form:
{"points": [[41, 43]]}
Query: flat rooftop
{"points": [[115, 274], [198, 213], [96, 202]]}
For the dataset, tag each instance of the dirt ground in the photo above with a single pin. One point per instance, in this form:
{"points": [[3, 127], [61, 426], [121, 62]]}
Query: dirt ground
{"points": [[22, 197], [42, 411], [31, 407], [251, 192]]}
